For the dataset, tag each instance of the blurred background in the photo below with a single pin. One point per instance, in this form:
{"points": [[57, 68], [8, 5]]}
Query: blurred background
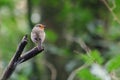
{"points": [[82, 38]]}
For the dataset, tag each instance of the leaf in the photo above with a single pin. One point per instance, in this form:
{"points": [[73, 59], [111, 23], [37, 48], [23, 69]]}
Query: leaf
{"points": [[113, 64], [84, 74], [94, 57]]}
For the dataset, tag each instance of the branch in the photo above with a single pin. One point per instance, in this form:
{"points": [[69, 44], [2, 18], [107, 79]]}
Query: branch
{"points": [[18, 58], [111, 10], [83, 45], [11, 67], [28, 55]]}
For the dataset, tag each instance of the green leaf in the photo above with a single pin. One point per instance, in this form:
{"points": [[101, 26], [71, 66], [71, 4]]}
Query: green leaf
{"points": [[113, 64], [93, 57], [87, 59], [96, 56], [85, 74]]}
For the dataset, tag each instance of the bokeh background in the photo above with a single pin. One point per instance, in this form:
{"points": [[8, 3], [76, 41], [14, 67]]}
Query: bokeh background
{"points": [[82, 38]]}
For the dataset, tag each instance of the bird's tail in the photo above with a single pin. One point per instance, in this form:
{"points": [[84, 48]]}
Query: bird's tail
{"points": [[39, 44]]}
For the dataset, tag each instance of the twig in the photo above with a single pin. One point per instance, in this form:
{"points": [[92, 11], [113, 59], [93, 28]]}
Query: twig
{"points": [[18, 58], [73, 73], [87, 50], [114, 5], [83, 45], [113, 76], [111, 10]]}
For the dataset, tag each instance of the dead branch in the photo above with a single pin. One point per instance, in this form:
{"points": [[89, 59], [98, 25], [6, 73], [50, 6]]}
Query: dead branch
{"points": [[18, 58]]}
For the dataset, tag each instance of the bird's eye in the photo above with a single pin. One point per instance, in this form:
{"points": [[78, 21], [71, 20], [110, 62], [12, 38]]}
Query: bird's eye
{"points": [[39, 25]]}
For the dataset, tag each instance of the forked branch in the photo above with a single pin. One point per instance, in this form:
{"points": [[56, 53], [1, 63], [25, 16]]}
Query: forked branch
{"points": [[18, 58]]}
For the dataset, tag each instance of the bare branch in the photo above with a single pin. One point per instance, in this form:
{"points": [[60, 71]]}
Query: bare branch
{"points": [[11, 67], [28, 55], [113, 76], [18, 58], [83, 45]]}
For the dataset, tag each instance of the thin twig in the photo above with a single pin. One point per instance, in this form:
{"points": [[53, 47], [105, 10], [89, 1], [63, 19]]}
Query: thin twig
{"points": [[111, 10], [11, 67], [114, 5], [87, 50], [113, 76], [73, 73], [83, 45]]}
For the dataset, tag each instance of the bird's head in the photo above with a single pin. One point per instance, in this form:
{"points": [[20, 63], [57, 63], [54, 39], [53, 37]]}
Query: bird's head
{"points": [[41, 26]]}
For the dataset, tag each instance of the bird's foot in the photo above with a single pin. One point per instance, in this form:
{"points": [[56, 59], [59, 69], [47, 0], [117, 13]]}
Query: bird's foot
{"points": [[40, 48]]}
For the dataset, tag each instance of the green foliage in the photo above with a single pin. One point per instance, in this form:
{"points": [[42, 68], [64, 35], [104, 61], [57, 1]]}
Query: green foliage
{"points": [[90, 58], [35, 2], [94, 56], [81, 18], [85, 74], [10, 32], [116, 6], [113, 63], [66, 11], [6, 3]]}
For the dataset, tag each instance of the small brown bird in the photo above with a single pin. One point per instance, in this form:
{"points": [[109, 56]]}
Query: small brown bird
{"points": [[38, 35]]}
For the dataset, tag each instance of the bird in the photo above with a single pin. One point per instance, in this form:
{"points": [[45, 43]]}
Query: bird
{"points": [[38, 35]]}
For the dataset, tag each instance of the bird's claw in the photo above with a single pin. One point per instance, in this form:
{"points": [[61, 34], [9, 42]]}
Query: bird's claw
{"points": [[40, 48]]}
